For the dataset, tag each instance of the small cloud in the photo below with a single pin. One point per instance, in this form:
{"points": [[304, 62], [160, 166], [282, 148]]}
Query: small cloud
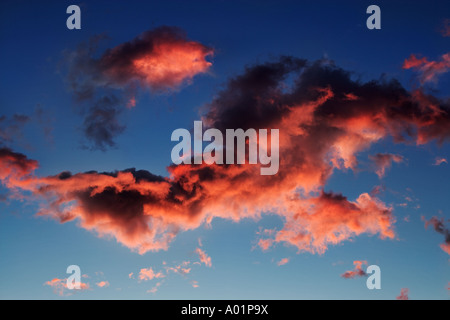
{"points": [[194, 283], [102, 284], [438, 161], [438, 226], [283, 261], [356, 272], [403, 294], [445, 30], [204, 258], [384, 161], [149, 274], [60, 286], [155, 288]]}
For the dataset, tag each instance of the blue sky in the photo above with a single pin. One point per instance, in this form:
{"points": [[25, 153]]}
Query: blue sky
{"points": [[37, 249]]}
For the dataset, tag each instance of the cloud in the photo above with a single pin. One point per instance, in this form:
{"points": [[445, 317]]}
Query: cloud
{"points": [[438, 226], [438, 161], [60, 286], [384, 161], [282, 261], [16, 170], [194, 284], [180, 269], [103, 284], [428, 70], [155, 288], [403, 294], [445, 31], [149, 274], [12, 127], [356, 272], [159, 60], [321, 131], [204, 258]]}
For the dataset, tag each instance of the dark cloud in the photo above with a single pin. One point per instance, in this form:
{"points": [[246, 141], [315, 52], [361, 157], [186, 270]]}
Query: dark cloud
{"points": [[326, 117], [439, 226], [162, 59], [11, 128]]}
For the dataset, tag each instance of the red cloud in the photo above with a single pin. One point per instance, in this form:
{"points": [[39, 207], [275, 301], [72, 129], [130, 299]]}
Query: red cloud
{"points": [[403, 294], [16, 169], [321, 130], [383, 161], [160, 59], [429, 70], [357, 272]]}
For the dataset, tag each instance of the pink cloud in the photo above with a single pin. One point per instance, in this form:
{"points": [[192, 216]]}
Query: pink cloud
{"points": [[60, 286], [102, 284], [439, 226], [149, 274], [403, 294], [356, 272], [283, 261], [438, 161], [204, 258], [384, 161]]}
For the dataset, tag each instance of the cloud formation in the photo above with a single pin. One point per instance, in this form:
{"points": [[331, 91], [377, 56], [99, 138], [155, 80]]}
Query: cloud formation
{"points": [[428, 70], [326, 118], [204, 258], [60, 286], [445, 30], [283, 262], [384, 161], [356, 272], [149, 274], [102, 284], [403, 294], [439, 160], [160, 60], [438, 226]]}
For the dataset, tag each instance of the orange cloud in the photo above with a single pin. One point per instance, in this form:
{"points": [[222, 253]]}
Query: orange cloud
{"points": [[60, 286], [403, 294], [356, 272], [283, 261], [321, 130], [102, 284], [429, 70], [162, 60]]}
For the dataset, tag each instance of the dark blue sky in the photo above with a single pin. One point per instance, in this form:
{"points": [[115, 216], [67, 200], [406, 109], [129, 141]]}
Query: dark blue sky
{"points": [[34, 39]]}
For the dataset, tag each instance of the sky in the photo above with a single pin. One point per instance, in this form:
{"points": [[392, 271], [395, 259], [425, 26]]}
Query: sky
{"points": [[87, 178]]}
